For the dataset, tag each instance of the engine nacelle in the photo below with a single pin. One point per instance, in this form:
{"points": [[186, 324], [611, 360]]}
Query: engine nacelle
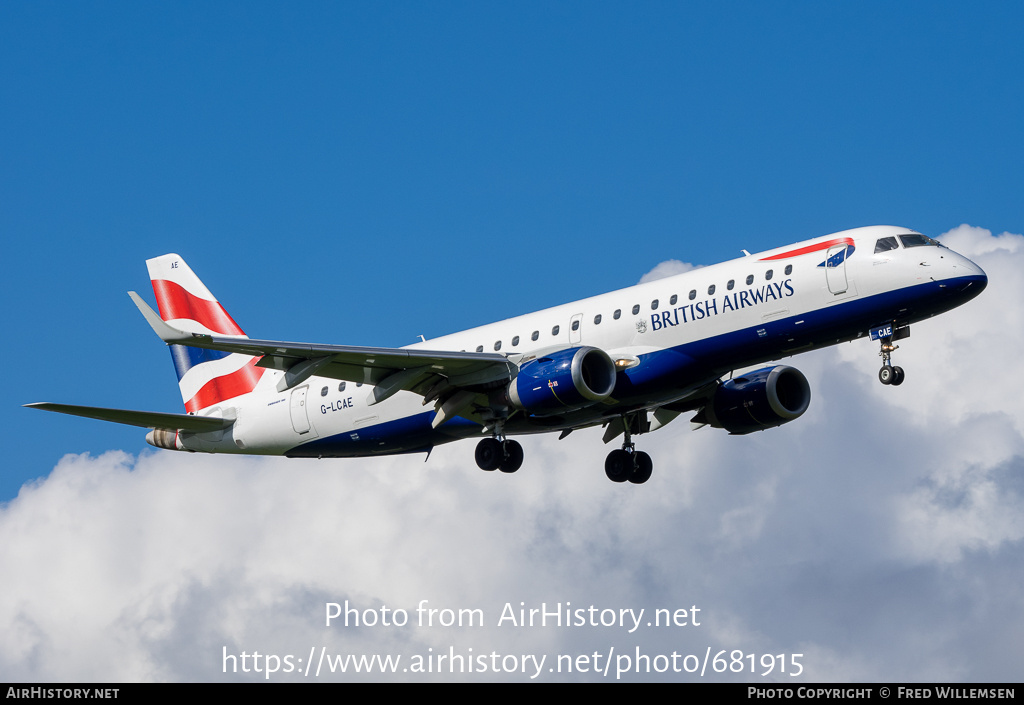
{"points": [[568, 379], [762, 399], [162, 438]]}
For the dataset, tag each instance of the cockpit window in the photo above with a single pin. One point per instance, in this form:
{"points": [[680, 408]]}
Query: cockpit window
{"points": [[885, 244], [918, 240]]}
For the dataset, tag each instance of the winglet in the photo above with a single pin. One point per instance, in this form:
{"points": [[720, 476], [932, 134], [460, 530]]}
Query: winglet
{"points": [[168, 334]]}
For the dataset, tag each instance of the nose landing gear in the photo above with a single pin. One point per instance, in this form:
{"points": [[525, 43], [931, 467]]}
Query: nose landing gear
{"points": [[890, 374]]}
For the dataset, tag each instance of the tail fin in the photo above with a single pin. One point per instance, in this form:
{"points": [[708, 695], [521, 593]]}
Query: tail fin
{"points": [[205, 377]]}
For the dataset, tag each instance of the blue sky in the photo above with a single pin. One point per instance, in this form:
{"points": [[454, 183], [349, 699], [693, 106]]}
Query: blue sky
{"points": [[366, 173], [490, 159]]}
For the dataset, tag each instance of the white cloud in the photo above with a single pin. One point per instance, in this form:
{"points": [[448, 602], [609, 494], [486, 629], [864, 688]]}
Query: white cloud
{"points": [[879, 535], [962, 402], [668, 268]]}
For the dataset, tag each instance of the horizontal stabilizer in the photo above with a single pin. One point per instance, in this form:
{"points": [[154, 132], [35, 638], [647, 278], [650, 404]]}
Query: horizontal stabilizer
{"points": [[145, 419]]}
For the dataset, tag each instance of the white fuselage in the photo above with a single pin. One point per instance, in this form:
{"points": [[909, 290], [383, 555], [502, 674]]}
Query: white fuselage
{"points": [[668, 336]]}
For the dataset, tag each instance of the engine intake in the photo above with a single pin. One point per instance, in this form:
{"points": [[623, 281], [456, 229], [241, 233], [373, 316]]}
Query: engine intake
{"points": [[762, 399], [568, 379]]}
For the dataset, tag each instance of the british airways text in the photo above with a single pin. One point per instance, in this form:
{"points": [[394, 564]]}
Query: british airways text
{"points": [[729, 302]]}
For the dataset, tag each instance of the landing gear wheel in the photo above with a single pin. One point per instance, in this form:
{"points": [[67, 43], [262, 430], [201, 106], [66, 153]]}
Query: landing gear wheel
{"points": [[490, 454], [513, 457], [890, 374], [619, 465], [644, 467], [886, 374]]}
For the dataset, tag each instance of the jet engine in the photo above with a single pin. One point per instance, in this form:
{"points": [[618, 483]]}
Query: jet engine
{"points": [[762, 399], [162, 438], [568, 379]]}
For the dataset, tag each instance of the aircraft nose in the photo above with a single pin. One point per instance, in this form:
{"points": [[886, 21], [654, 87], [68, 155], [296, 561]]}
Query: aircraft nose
{"points": [[982, 278], [977, 273], [971, 278]]}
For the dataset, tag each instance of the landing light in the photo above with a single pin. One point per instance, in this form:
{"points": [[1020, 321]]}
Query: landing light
{"points": [[626, 362]]}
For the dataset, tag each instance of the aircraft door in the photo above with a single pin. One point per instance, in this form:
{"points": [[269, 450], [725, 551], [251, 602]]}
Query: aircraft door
{"points": [[575, 334], [835, 269], [300, 419]]}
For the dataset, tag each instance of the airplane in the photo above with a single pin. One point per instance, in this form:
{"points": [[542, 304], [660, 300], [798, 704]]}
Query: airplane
{"points": [[632, 360]]}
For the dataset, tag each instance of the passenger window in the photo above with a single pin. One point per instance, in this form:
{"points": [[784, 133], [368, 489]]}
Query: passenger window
{"points": [[554, 331], [341, 387], [672, 301], [768, 275], [693, 294], [711, 290], [536, 334], [789, 269], [497, 346], [654, 305], [636, 309], [597, 319], [479, 348], [884, 244], [575, 325], [323, 392], [515, 341], [731, 284], [617, 314], [750, 279]]}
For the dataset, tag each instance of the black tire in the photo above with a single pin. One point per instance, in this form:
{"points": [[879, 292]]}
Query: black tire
{"points": [[618, 466], [644, 467], [885, 375], [489, 454], [513, 457], [898, 375]]}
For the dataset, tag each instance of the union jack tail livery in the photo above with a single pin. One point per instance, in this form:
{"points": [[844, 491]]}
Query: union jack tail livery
{"points": [[205, 377]]}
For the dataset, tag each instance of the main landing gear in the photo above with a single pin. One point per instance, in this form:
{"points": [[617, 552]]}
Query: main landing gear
{"points": [[889, 374], [499, 454], [628, 463]]}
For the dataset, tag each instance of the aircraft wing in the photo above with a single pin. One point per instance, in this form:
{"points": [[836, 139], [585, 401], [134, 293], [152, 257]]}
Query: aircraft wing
{"points": [[145, 419], [436, 375]]}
